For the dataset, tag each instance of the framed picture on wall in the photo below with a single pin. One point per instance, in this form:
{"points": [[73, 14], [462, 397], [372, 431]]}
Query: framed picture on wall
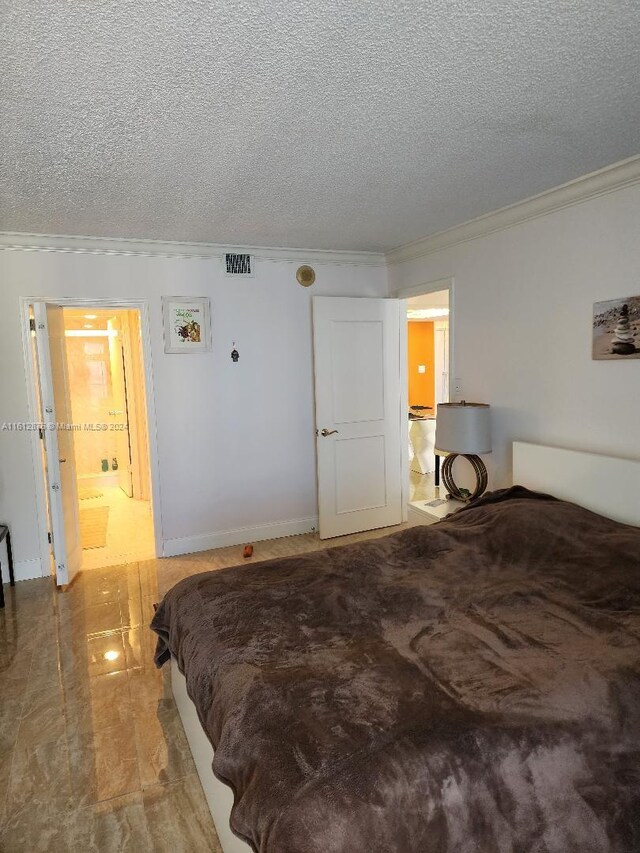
{"points": [[616, 328], [187, 323]]}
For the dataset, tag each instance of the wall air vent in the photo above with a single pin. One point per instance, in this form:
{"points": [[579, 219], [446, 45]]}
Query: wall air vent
{"points": [[238, 264]]}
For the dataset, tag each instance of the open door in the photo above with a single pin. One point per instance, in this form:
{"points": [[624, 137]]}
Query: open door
{"points": [[119, 414], [58, 441], [441, 361], [358, 413]]}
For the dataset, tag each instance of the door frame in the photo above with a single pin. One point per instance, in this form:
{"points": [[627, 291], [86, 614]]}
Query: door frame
{"points": [[406, 293], [142, 305]]}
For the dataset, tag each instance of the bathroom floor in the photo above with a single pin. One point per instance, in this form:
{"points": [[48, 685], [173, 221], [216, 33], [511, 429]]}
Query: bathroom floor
{"points": [[129, 530]]}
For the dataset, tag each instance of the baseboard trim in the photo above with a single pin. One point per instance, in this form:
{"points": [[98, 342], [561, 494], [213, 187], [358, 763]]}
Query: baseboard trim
{"points": [[238, 536], [24, 570]]}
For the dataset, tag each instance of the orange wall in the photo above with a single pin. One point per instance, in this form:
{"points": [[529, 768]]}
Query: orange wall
{"points": [[421, 385]]}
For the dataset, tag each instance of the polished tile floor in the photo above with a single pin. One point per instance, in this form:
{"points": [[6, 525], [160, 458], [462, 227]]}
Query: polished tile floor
{"points": [[93, 756]]}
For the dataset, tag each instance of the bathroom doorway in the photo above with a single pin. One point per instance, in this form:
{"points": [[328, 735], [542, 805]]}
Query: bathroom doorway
{"points": [[107, 397], [92, 396], [428, 377]]}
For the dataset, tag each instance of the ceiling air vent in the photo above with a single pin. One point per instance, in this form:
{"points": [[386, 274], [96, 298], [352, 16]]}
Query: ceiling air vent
{"points": [[238, 264]]}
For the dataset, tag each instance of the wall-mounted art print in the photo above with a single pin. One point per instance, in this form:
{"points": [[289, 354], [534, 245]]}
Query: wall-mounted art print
{"points": [[187, 323], [616, 328]]}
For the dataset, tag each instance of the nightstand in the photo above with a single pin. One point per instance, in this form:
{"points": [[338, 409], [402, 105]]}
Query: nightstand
{"points": [[428, 512]]}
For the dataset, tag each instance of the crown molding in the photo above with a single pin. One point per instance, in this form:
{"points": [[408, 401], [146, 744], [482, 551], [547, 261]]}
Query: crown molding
{"points": [[157, 248], [626, 173]]}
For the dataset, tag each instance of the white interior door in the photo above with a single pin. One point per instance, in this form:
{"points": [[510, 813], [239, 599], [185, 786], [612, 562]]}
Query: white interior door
{"points": [[358, 416], [136, 405], [119, 412], [441, 358], [58, 441]]}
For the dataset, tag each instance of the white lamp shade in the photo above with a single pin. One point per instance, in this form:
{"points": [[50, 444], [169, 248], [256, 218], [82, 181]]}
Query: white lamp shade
{"points": [[463, 428]]}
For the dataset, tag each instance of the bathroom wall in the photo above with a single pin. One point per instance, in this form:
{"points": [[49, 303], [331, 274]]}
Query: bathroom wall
{"points": [[91, 400], [421, 351]]}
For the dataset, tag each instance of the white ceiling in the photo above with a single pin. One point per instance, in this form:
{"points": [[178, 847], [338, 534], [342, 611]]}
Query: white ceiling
{"points": [[341, 125]]}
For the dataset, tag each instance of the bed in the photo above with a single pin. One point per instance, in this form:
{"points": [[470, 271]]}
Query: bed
{"points": [[469, 686]]}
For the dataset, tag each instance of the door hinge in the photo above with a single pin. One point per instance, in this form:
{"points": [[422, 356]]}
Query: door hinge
{"points": [[32, 324], [49, 537], [41, 433]]}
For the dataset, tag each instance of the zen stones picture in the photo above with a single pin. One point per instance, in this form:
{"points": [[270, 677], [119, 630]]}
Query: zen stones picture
{"points": [[616, 328]]}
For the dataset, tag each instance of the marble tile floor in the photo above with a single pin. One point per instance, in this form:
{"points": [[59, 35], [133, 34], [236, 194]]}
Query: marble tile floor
{"points": [[93, 756]]}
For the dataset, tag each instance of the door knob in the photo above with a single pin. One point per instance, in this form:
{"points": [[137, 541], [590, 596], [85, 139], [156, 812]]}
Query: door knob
{"points": [[62, 460], [325, 432]]}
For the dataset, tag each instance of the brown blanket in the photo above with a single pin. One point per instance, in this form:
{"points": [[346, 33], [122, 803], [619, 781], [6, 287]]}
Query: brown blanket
{"points": [[470, 687]]}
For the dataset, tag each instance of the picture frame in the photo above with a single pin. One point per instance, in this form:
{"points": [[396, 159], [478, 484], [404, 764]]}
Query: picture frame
{"points": [[187, 324], [616, 329]]}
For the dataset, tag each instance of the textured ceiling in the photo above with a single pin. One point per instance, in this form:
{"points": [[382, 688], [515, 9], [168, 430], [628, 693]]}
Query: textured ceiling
{"points": [[335, 125]]}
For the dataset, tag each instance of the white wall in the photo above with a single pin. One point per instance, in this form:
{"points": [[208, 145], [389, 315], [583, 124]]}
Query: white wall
{"points": [[522, 324], [236, 441]]}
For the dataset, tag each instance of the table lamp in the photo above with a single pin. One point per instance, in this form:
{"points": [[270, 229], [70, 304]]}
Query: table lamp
{"points": [[463, 429]]}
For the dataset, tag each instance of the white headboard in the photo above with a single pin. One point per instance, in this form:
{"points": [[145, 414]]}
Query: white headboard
{"points": [[605, 484]]}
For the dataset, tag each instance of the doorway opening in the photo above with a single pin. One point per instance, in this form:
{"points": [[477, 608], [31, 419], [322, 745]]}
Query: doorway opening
{"points": [[90, 390], [428, 372], [106, 391]]}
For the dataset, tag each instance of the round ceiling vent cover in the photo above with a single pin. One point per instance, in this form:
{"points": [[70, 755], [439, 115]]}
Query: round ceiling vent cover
{"points": [[306, 275]]}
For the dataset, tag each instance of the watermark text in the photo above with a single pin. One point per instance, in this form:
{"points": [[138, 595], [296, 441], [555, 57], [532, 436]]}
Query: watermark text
{"points": [[37, 426]]}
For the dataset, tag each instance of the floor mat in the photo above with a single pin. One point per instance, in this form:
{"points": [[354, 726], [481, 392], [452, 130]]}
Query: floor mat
{"points": [[86, 492], [93, 526]]}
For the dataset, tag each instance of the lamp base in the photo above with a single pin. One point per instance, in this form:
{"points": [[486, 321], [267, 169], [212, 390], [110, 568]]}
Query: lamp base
{"points": [[449, 482]]}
